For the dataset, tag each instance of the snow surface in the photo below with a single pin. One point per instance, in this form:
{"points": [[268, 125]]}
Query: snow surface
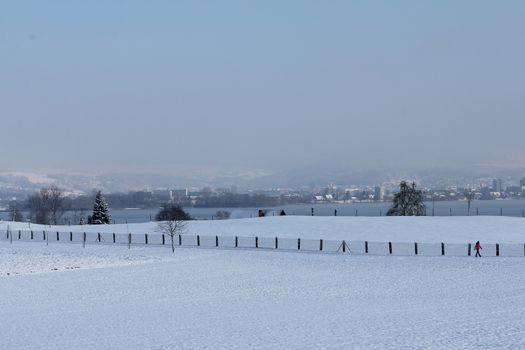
{"points": [[148, 298], [487, 229], [22, 258]]}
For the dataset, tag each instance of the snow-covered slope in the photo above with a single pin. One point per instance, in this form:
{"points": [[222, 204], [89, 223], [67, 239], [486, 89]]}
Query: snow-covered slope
{"points": [[488, 229], [63, 296], [216, 299]]}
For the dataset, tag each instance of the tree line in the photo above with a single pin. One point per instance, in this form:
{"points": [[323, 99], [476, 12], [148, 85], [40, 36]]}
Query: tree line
{"points": [[49, 205], [77, 206]]}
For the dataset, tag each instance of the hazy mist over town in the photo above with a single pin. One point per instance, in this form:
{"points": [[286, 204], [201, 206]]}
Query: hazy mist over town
{"points": [[131, 95]]}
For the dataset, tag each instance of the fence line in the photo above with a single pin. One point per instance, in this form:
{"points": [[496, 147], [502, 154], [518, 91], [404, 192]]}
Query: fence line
{"points": [[264, 243]]}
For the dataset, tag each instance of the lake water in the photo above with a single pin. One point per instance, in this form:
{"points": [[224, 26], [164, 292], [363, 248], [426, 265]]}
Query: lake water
{"points": [[445, 208]]}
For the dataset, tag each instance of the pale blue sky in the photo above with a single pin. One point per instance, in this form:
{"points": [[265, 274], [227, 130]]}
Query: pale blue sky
{"points": [[162, 85]]}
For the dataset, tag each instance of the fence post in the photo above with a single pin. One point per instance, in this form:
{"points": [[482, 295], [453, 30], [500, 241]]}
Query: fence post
{"points": [[500, 211], [43, 235], [276, 243], [320, 245], [390, 247], [216, 241], [58, 236], [450, 209], [114, 240], [98, 236], [31, 234], [366, 247], [146, 238], [71, 236], [497, 249], [163, 239], [256, 242], [344, 246], [415, 247], [84, 240], [236, 241], [356, 212], [442, 248], [198, 241], [129, 240], [469, 248], [19, 234], [298, 244]]}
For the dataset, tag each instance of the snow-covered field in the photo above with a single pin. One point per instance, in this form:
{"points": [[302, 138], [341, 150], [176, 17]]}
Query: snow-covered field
{"points": [[148, 298], [487, 229], [63, 296], [23, 258]]}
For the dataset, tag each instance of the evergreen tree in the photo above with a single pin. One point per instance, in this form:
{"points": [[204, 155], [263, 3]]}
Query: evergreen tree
{"points": [[101, 214], [407, 202]]}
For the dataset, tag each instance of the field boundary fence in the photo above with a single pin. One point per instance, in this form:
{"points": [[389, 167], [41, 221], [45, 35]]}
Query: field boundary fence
{"points": [[264, 243]]}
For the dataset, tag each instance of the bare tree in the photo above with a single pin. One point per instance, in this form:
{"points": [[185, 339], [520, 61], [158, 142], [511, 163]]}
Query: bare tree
{"points": [[38, 212], [469, 196], [172, 228], [47, 206], [55, 197]]}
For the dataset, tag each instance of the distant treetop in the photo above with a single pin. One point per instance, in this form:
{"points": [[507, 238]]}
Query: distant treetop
{"points": [[407, 202]]}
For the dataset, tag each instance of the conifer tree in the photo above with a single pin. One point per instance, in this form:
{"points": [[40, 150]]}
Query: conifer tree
{"points": [[101, 214], [407, 202]]}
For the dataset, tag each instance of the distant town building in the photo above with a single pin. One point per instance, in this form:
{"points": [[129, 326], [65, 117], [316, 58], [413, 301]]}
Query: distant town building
{"points": [[513, 190], [497, 185], [319, 198], [179, 193], [377, 193]]}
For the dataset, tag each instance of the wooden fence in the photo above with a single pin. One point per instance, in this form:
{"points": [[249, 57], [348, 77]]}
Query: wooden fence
{"points": [[264, 243]]}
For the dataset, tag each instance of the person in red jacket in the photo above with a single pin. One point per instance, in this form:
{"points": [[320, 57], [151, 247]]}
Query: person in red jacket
{"points": [[477, 247]]}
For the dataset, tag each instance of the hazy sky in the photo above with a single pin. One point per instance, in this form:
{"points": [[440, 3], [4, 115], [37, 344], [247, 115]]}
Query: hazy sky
{"points": [[164, 85]]}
